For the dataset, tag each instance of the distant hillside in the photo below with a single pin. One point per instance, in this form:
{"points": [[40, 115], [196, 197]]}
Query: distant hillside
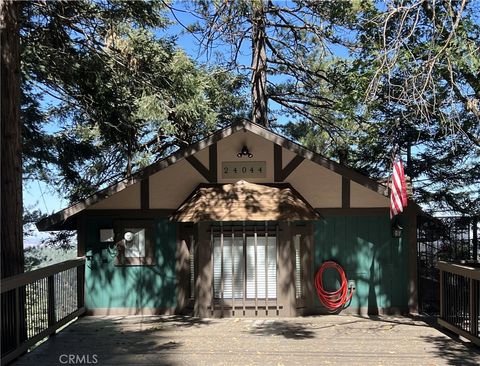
{"points": [[42, 256]]}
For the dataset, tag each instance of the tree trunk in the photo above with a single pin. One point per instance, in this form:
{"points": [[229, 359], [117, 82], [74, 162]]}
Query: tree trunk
{"points": [[12, 259], [259, 65]]}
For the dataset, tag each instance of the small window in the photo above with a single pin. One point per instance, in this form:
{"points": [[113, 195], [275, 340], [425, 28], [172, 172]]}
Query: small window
{"points": [[107, 236], [135, 242]]}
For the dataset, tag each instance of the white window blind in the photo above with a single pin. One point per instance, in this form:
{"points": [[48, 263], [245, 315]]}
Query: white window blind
{"points": [[298, 267], [233, 268], [192, 269], [265, 275], [258, 278]]}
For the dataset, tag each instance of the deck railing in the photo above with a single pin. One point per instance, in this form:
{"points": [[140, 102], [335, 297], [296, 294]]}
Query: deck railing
{"points": [[35, 304], [460, 299]]}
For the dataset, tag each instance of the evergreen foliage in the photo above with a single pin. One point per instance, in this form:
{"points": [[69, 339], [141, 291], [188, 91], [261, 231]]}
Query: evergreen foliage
{"points": [[357, 79]]}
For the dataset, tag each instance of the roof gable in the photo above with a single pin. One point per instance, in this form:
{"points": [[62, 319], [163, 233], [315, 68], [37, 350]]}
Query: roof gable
{"points": [[56, 220]]}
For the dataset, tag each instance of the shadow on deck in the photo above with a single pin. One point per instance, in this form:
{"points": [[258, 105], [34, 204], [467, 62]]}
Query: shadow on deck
{"points": [[180, 340]]}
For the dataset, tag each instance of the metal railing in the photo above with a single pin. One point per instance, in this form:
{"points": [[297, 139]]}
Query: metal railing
{"points": [[460, 299], [35, 304]]}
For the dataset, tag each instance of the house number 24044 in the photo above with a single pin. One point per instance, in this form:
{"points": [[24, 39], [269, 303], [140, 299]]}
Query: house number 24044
{"points": [[241, 169]]}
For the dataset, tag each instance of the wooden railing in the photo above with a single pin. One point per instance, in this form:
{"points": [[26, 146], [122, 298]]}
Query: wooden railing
{"points": [[460, 299], [35, 304]]}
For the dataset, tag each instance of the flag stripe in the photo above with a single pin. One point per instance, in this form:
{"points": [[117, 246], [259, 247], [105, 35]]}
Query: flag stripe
{"points": [[398, 194]]}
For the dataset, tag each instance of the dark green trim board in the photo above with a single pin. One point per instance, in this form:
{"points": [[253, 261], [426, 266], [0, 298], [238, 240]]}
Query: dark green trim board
{"points": [[81, 236], [212, 162], [345, 192], [129, 213], [145, 194], [199, 167], [383, 211]]}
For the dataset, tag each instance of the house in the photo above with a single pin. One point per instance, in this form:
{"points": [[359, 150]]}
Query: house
{"points": [[237, 225]]}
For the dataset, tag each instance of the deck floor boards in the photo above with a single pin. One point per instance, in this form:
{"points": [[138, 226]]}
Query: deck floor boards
{"points": [[320, 340]]}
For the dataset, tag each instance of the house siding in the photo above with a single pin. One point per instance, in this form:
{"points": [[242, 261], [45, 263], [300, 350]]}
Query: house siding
{"points": [[133, 287], [364, 247]]}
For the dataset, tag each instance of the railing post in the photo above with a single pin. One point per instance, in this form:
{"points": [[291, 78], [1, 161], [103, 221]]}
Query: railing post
{"points": [[475, 238], [442, 293], [17, 317], [51, 302], [473, 307]]}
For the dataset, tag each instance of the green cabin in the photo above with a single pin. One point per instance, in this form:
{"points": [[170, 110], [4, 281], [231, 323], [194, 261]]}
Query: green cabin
{"points": [[238, 225]]}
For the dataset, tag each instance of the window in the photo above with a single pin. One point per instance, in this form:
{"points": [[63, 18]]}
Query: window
{"points": [[134, 243], [252, 264], [232, 268], [134, 240], [107, 235], [263, 252]]}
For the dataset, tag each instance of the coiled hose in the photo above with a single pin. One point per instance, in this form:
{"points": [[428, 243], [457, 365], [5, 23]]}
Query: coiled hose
{"points": [[336, 299]]}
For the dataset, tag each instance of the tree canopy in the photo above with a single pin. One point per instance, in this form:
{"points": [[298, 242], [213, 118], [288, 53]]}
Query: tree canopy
{"points": [[356, 81], [120, 96]]}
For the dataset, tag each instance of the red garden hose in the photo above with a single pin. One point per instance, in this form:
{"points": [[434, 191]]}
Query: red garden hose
{"points": [[336, 299]]}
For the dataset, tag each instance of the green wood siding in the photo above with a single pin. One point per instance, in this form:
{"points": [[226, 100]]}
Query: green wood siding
{"points": [[364, 247], [110, 286]]}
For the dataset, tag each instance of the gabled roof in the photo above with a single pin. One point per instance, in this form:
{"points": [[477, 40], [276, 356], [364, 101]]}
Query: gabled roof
{"points": [[56, 220], [245, 201]]}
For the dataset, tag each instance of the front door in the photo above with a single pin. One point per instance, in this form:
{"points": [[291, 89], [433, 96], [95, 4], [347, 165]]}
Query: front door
{"points": [[244, 267]]}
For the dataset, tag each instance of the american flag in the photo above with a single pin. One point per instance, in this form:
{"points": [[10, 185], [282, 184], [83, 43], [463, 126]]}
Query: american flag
{"points": [[398, 194]]}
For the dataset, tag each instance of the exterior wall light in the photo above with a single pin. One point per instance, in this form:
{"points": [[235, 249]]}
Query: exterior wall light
{"points": [[244, 152], [397, 230]]}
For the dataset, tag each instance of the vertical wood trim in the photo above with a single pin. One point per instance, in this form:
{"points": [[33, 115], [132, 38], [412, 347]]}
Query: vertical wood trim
{"points": [[212, 268], [345, 192], [145, 194], [212, 163], [412, 245], [182, 266], [81, 286], [441, 295], [81, 235], [204, 269], [277, 163]]}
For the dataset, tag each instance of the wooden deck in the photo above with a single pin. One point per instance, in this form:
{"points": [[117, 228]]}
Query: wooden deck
{"points": [[174, 340]]}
